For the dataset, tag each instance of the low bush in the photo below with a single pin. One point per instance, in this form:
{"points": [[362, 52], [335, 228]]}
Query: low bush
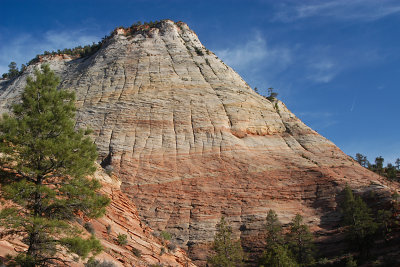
{"points": [[122, 239], [89, 227]]}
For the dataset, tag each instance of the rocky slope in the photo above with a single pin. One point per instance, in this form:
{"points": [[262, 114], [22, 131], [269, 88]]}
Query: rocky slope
{"points": [[121, 218], [192, 142]]}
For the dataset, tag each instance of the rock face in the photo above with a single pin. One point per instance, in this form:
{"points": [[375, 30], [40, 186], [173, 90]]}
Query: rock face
{"points": [[192, 142], [121, 218]]}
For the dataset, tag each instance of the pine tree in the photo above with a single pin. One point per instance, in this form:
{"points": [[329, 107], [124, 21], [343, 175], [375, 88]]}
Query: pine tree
{"points": [[227, 252], [300, 241], [273, 230], [46, 163], [361, 227], [397, 164], [379, 165], [12, 70], [271, 94], [277, 256], [276, 253], [390, 171], [362, 160]]}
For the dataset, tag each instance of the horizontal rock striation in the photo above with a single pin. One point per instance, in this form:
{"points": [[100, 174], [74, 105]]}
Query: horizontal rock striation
{"points": [[142, 248], [192, 142]]}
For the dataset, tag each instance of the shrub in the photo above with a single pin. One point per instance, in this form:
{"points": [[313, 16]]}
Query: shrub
{"points": [[162, 251], [137, 252], [109, 169], [108, 228], [79, 220], [171, 247], [350, 262], [165, 235], [97, 263], [89, 227], [122, 239], [198, 51]]}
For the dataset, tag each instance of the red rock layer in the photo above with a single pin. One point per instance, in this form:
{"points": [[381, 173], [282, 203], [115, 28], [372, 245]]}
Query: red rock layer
{"points": [[122, 218]]}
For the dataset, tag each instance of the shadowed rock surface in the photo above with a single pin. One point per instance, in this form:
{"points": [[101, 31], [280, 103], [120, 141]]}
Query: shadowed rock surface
{"points": [[192, 142]]}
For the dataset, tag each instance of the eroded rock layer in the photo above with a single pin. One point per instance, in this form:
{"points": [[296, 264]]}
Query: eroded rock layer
{"points": [[142, 247], [192, 142]]}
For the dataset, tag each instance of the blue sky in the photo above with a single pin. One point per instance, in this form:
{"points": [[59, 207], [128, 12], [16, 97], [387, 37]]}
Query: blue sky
{"points": [[335, 63]]}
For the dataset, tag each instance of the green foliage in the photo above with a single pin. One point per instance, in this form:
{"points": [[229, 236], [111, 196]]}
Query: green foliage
{"points": [[227, 252], [397, 164], [390, 171], [277, 256], [276, 252], [96, 263], [384, 221], [378, 166], [360, 225], [379, 162], [300, 241], [78, 51], [20, 259], [89, 227], [165, 235], [81, 247], [13, 71], [273, 227], [137, 252], [350, 262], [49, 163], [108, 228], [362, 160], [198, 51], [140, 27], [271, 94], [162, 251], [122, 239]]}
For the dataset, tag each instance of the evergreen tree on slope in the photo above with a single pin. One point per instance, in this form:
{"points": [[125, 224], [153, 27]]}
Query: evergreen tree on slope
{"points": [[227, 252], [45, 163]]}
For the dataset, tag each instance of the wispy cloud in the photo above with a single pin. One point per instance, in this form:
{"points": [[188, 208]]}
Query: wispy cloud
{"points": [[365, 10], [254, 51], [318, 120], [25, 46], [353, 104], [322, 71], [257, 61]]}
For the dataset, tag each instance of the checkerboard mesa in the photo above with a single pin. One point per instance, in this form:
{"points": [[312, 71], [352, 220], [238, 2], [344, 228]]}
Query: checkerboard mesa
{"points": [[192, 142]]}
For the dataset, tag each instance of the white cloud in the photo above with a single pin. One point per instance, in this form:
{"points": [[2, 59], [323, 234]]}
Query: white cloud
{"points": [[322, 71], [364, 10], [318, 120], [254, 52], [257, 61], [24, 47]]}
